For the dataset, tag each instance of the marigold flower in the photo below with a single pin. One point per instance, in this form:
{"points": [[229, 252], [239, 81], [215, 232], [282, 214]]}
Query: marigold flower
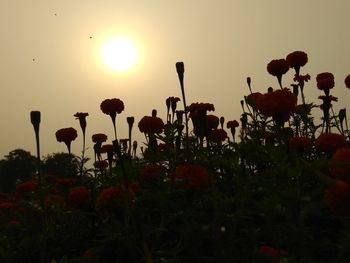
{"points": [[279, 103], [110, 106], [212, 122], [108, 197], [196, 107], [337, 197], [232, 124], [192, 176], [151, 172], [296, 60], [107, 148], [330, 142], [78, 195], [278, 67], [66, 135], [150, 124], [340, 167], [251, 99], [81, 116], [218, 135], [347, 81], [99, 138], [325, 81]]}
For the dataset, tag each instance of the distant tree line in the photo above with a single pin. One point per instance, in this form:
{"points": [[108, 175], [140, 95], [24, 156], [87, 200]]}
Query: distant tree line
{"points": [[19, 166]]}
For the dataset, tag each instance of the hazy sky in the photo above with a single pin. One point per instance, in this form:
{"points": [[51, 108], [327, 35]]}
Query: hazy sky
{"points": [[49, 58]]}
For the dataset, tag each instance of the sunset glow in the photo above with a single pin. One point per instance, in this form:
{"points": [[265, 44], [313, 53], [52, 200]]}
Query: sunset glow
{"points": [[119, 54]]}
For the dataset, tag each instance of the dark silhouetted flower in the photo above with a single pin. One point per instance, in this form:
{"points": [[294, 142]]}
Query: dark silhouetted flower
{"points": [[99, 138], [150, 124], [279, 103], [212, 122], [251, 99], [192, 176], [277, 68], [347, 81], [232, 124], [81, 116], [330, 142], [197, 107], [152, 172], [325, 81], [110, 106], [109, 198], [217, 135], [337, 197], [106, 148], [66, 135], [340, 167], [296, 60], [78, 195]]}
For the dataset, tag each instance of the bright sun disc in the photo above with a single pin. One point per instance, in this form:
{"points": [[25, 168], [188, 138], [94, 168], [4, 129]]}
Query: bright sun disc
{"points": [[119, 54]]}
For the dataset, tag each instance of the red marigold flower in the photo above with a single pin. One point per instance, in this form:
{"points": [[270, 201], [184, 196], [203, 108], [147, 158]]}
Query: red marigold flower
{"points": [[192, 176], [78, 195], [251, 99], [218, 135], [300, 143], [82, 119], [212, 122], [232, 124], [337, 197], [347, 81], [196, 107], [66, 135], [269, 251], [109, 198], [79, 115], [99, 138], [340, 167], [102, 164], [297, 59], [278, 67], [26, 187], [106, 148], [151, 172], [325, 81], [150, 124], [109, 106], [330, 142], [279, 103]]}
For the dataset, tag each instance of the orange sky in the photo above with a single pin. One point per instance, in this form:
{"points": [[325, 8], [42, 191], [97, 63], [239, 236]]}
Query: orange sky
{"points": [[50, 58]]}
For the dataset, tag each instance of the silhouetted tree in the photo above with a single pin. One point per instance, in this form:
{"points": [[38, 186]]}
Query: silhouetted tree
{"points": [[18, 166], [61, 164]]}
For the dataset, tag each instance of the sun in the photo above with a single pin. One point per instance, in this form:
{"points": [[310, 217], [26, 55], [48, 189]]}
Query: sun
{"points": [[119, 54]]}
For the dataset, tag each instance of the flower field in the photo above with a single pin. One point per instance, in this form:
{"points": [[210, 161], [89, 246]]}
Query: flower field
{"points": [[273, 186]]}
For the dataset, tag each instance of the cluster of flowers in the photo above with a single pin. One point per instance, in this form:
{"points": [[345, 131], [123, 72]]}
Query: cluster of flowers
{"points": [[185, 177]]}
